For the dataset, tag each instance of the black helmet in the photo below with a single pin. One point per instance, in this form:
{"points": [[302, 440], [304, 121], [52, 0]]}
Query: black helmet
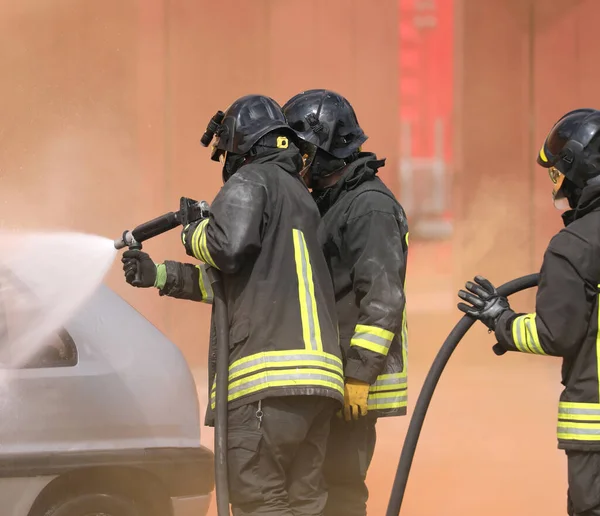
{"points": [[327, 120], [573, 148], [245, 122]]}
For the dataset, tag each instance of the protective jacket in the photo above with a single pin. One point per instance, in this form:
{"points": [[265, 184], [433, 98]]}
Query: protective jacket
{"points": [[364, 234], [262, 235], [565, 323]]}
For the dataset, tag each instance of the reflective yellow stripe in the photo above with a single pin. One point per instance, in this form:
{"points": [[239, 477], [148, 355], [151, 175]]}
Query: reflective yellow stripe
{"points": [[578, 411], [311, 329], [329, 361], [372, 338], [578, 405], [199, 245], [389, 382], [387, 400], [289, 368], [404, 342], [288, 359], [204, 284], [204, 246], [578, 431], [532, 335], [525, 335], [388, 392], [292, 377], [406, 238], [195, 244], [543, 155]]}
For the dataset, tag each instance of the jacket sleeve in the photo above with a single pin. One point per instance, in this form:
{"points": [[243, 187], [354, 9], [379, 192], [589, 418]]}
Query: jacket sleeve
{"points": [[375, 246], [564, 303], [184, 281], [232, 235]]}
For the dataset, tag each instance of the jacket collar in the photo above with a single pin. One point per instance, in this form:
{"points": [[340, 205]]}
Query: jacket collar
{"points": [[589, 201], [364, 168], [290, 159]]}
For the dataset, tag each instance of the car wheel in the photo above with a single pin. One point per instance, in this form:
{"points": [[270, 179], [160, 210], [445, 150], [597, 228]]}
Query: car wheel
{"points": [[95, 504]]}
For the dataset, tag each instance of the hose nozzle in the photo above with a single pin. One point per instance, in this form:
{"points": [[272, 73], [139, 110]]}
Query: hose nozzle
{"points": [[127, 240]]}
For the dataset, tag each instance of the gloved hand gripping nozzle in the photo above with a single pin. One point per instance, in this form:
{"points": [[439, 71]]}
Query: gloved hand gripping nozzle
{"points": [[189, 211]]}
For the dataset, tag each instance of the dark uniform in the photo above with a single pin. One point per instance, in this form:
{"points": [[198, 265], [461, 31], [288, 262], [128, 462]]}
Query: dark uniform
{"points": [[366, 245], [566, 321], [285, 373], [365, 240]]}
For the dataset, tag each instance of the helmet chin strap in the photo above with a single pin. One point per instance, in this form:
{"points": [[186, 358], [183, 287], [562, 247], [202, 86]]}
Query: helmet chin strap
{"points": [[232, 163], [568, 192], [324, 165]]}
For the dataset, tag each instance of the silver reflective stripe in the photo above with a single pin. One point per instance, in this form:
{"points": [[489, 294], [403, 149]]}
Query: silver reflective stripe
{"points": [[274, 360], [374, 402], [578, 431], [390, 381], [308, 297], [583, 411], [520, 344], [529, 339], [380, 341], [290, 378], [397, 381], [206, 283]]}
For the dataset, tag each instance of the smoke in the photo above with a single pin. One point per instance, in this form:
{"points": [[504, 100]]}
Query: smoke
{"points": [[44, 279], [490, 226]]}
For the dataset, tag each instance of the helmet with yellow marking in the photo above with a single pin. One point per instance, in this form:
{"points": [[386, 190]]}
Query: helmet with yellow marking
{"points": [[252, 125], [571, 153]]}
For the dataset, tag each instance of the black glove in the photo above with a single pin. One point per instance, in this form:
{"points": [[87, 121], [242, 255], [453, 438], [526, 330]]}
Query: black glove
{"points": [[134, 261], [486, 304]]}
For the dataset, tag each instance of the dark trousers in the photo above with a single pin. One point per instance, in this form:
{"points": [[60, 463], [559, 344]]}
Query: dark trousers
{"points": [[275, 462], [349, 452], [583, 497]]}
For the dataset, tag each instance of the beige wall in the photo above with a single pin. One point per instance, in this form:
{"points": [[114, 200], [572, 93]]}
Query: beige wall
{"points": [[104, 104], [520, 66]]}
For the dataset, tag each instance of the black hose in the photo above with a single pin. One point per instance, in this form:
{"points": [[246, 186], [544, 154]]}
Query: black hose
{"points": [[433, 376], [222, 392]]}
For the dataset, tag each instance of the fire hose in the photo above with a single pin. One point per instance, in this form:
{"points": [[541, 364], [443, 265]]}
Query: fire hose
{"points": [[429, 385], [192, 211]]}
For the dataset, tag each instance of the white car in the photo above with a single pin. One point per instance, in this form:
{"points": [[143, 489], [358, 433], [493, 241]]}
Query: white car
{"points": [[104, 420]]}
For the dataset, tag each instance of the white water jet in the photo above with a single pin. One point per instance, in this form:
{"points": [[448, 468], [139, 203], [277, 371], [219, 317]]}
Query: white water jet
{"points": [[44, 279]]}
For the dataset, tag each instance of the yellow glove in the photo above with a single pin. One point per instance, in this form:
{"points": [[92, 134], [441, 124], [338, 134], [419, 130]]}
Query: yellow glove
{"points": [[356, 394]]}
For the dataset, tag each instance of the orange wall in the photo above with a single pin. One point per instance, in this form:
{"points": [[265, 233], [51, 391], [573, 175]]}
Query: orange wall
{"points": [[520, 66], [104, 104]]}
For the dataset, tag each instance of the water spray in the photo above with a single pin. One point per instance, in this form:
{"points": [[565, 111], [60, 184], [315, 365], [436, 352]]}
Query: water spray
{"points": [[44, 280]]}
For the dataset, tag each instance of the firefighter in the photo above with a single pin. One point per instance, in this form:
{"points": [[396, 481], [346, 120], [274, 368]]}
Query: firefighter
{"points": [[285, 373], [365, 241], [565, 322]]}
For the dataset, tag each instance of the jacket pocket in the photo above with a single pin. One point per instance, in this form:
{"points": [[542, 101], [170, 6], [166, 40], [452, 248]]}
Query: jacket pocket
{"points": [[243, 458], [239, 332]]}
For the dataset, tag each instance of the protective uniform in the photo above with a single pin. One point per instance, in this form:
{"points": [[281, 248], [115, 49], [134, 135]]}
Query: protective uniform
{"points": [[285, 373], [566, 320], [364, 234]]}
